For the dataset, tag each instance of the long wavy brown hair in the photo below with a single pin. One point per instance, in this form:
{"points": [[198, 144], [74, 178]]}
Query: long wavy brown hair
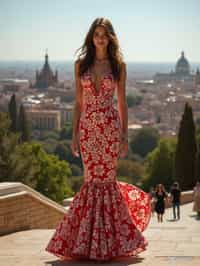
{"points": [[88, 50], [162, 188]]}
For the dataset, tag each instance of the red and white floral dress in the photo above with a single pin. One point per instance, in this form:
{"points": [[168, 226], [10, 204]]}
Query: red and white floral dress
{"points": [[106, 217]]}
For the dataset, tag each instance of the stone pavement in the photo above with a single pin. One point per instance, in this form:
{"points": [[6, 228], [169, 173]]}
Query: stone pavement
{"points": [[170, 243]]}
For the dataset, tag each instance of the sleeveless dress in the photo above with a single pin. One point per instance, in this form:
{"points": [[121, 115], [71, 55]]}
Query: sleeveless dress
{"points": [[160, 202], [106, 217]]}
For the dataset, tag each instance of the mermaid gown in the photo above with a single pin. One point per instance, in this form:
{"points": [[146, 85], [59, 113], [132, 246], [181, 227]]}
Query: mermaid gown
{"points": [[106, 218]]}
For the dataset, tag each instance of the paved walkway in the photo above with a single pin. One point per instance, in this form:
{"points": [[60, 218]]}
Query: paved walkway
{"points": [[170, 243]]}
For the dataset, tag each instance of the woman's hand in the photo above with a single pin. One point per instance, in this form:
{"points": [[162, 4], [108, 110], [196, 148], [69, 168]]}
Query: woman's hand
{"points": [[123, 148], [75, 146]]}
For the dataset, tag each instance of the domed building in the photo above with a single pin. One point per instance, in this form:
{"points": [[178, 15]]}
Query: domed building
{"points": [[182, 66], [46, 77], [182, 71]]}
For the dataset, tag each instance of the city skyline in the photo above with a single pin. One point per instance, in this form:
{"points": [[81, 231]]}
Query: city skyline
{"points": [[148, 31]]}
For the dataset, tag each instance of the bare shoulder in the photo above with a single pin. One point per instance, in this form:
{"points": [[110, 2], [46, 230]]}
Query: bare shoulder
{"points": [[77, 63], [77, 67], [123, 63], [123, 66]]}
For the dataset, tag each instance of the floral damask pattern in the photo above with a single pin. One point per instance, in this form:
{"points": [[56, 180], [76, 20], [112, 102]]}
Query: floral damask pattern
{"points": [[106, 217]]}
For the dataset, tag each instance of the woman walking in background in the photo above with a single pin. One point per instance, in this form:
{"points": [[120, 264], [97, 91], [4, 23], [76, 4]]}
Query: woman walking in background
{"points": [[196, 196], [160, 196], [106, 217]]}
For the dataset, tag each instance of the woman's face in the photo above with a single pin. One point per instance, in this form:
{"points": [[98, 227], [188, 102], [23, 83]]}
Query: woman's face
{"points": [[100, 37]]}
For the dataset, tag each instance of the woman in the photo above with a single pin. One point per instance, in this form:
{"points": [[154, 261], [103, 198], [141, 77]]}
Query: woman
{"points": [[196, 193], [160, 196], [106, 217]]}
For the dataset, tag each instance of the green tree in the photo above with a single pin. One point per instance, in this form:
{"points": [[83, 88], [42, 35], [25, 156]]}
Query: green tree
{"points": [[76, 170], [49, 134], [29, 163], [133, 100], [198, 133], [23, 125], [62, 150], [14, 166], [132, 170], [144, 141], [186, 150], [8, 156], [49, 145], [76, 183], [198, 121], [12, 109], [5, 123], [159, 164], [53, 174], [66, 131]]}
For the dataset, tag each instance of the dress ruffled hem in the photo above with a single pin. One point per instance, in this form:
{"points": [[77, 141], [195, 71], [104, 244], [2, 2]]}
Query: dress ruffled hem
{"points": [[132, 253], [104, 221]]}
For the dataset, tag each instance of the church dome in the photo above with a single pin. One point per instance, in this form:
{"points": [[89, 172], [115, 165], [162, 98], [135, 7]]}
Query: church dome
{"points": [[182, 65], [46, 77]]}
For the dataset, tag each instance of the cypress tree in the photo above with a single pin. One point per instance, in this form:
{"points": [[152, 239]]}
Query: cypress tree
{"points": [[12, 109], [186, 150], [23, 125]]}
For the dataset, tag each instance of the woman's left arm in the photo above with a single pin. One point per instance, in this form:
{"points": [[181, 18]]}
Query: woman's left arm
{"points": [[122, 103]]}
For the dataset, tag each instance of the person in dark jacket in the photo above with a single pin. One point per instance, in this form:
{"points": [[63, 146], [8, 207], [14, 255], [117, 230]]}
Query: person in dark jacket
{"points": [[176, 200]]}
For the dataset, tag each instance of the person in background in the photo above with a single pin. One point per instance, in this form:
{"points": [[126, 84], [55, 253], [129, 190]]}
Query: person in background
{"points": [[175, 194], [160, 196], [196, 196]]}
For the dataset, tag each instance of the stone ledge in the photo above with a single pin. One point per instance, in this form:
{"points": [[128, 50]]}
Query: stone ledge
{"points": [[7, 188], [186, 197], [68, 201], [24, 208]]}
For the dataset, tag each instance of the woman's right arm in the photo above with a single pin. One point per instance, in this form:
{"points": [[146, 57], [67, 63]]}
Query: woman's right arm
{"points": [[78, 99]]}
